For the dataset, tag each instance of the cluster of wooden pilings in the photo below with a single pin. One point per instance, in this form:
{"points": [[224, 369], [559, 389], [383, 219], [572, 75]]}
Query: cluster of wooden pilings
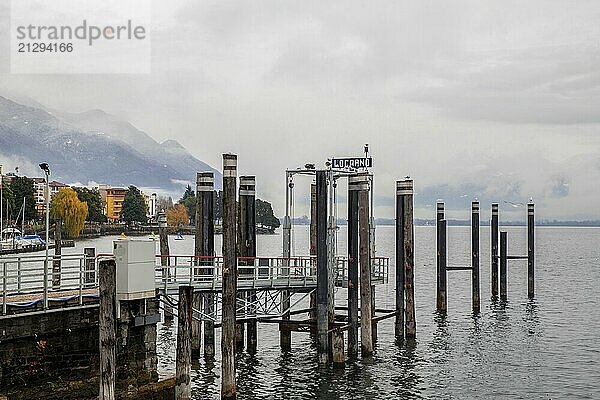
{"points": [[499, 256]]}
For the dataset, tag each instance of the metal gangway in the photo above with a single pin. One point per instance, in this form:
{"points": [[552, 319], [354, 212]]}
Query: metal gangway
{"points": [[29, 283]]}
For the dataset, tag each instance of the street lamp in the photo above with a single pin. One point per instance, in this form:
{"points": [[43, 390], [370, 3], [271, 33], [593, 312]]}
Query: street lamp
{"points": [[46, 170]]}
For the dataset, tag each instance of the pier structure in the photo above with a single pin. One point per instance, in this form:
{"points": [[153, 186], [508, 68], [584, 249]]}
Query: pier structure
{"points": [[499, 262], [208, 291], [442, 258], [498, 256]]}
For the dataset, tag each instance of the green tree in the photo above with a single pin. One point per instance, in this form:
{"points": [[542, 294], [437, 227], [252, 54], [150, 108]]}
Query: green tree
{"points": [[265, 216], [94, 203], [23, 188], [134, 207], [66, 207], [189, 201]]}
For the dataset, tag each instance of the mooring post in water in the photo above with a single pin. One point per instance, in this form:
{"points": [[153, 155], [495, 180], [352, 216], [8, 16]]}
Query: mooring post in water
{"points": [[198, 298], [442, 304], [322, 278], [312, 315], [354, 182], [56, 263], [90, 265], [163, 239], [475, 256], [285, 335], [247, 247], [409, 270], [228, 386], [364, 227], [404, 247], [503, 261], [107, 271], [183, 358], [205, 249], [494, 249], [530, 250], [338, 348]]}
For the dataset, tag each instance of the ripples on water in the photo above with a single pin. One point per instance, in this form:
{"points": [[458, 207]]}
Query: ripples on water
{"points": [[546, 348]]}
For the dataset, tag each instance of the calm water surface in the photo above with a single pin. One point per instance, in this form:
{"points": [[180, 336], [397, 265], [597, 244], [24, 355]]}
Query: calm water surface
{"points": [[540, 349]]}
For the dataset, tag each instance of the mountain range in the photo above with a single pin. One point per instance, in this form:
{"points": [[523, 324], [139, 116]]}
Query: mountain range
{"points": [[93, 147]]}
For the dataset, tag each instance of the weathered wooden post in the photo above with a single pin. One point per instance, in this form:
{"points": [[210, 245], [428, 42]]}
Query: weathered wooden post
{"points": [[247, 246], [322, 278], [503, 261], [366, 312], [530, 250], [183, 358], [163, 238], [442, 304], [228, 386], [56, 262], [90, 265], [107, 271], [285, 334], [353, 267], [404, 247], [338, 348], [494, 249], [475, 256], [312, 315], [205, 249], [409, 269]]}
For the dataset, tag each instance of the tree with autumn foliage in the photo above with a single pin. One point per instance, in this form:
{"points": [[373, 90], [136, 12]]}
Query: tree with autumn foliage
{"points": [[178, 215], [68, 209]]}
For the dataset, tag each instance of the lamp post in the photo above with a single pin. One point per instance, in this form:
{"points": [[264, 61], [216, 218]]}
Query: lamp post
{"points": [[46, 170]]}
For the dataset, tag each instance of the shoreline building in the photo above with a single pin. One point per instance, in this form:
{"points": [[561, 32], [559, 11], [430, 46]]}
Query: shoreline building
{"points": [[112, 200]]}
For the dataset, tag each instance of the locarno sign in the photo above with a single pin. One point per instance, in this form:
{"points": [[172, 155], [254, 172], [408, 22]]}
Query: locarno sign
{"points": [[351, 162]]}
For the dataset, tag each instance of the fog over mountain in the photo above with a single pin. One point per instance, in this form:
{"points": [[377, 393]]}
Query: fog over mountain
{"points": [[92, 147]]}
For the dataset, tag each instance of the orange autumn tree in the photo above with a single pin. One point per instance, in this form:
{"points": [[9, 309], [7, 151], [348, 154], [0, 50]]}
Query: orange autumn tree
{"points": [[67, 207], [178, 215]]}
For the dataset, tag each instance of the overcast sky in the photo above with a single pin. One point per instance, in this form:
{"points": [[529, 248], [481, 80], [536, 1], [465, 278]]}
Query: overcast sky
{"points": [[499, 100]]}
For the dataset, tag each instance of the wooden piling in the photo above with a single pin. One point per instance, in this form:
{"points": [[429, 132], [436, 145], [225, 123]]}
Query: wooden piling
{"points": [[503, 261], [364, 226], [196, 331], [248, 249], [404, 247], [338, 348], [183, 358], [354, 182], [312, 315], [228, 385], [107, 271], [442, 304], [57, 262], [475, 300], [164, 260], [409, 268], [204, 246], [322, 278], [494, 249], [530, 250], [90, 265]]}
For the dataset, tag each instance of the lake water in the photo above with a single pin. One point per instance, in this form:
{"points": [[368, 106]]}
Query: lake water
{"points": [[541, 349]]}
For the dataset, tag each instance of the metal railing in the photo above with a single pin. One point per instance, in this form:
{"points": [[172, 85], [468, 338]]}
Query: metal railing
{"points": [[255, 272], [25, 283]]}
